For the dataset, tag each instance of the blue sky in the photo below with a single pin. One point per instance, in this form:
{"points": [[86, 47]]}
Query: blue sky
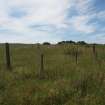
{"points": [[33, 21]]}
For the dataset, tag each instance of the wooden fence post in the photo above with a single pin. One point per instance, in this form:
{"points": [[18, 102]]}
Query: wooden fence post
{"points": [[94, 51], [76, 55], [41, 72], [8, 61]]}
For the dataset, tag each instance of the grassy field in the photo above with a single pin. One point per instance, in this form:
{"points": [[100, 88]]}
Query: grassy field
{"points": [[65, 81]]}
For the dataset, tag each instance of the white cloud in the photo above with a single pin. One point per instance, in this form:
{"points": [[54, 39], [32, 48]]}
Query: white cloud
{"points": [[51, 14], [80, 23], [85, 10], [38, 11], [84, 6], [101, 15], [29, 37]]}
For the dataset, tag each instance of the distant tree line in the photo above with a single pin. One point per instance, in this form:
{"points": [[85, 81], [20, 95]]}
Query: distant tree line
{"points": [[72, 42], [46, 43], [67, 42]]}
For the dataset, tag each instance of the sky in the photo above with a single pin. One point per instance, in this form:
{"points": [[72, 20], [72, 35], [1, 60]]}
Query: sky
{"points": [[34, 21]]}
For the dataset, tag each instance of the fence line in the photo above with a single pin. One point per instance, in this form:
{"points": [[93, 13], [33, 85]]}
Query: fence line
{"points": [[41, 69]]}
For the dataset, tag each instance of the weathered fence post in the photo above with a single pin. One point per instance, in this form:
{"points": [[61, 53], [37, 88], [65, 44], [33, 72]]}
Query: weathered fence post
{"points": [[41, 62], [41, 72], [76, 55], [8, 61], [94, 51]]}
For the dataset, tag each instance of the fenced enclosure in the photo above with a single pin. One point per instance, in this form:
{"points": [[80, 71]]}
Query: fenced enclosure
{"points": [[52, 74], [50, 60]]}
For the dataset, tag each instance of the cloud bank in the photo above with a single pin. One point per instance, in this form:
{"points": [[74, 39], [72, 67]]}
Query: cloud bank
{"points": [[30, 21]]}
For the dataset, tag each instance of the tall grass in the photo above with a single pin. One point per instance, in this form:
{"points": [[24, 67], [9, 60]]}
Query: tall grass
{"points": [[64, 82]]}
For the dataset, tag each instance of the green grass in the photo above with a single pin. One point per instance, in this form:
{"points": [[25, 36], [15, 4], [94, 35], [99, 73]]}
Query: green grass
{"points": [[64, 81]]}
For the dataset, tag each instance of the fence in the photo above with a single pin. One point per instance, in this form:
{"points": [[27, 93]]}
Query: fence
{"points": [[42, 57]]}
